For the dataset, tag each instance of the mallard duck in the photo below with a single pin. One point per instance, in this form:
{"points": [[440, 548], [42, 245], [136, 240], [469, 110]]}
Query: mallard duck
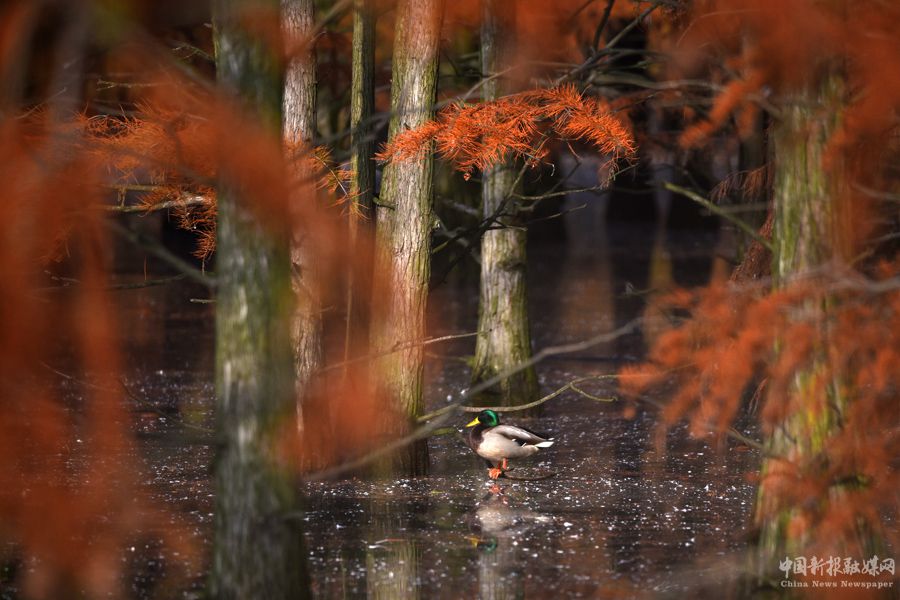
{"points": [[497, 443]]}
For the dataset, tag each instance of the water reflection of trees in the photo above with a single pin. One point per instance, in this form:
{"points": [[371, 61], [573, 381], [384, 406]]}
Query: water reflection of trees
{"points": [[392, 553]]}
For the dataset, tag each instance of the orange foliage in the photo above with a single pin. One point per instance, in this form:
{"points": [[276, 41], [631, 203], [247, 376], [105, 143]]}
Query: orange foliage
{"points": [[177, 154], [790, 46], [478, 136], [71, 492], [738, 336], [69, 487]]}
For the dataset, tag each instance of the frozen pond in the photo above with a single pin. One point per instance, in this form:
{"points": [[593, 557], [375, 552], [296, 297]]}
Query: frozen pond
{"points": [[626, 514]]}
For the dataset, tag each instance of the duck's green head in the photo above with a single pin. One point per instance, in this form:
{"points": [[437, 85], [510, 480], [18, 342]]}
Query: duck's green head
{"points": [[488, 418]]}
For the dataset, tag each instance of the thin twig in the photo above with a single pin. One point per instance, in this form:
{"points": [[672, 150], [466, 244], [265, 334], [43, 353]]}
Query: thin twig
{"points": [[711, 207], [154, 248], [603, 21], [566, 192], [142, 403], [400, 346], [143, 208], [145, 283], [417, 434], [69, 282], [634, 23], [557, 215], [505, 475], [485, 225], [590, 396], [595, 58], [730, 432], [519, 407], [443, 415]]}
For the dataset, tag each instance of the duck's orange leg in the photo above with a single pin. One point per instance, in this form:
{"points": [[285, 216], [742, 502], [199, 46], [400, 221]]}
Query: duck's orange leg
{"points": [[496, 472]]}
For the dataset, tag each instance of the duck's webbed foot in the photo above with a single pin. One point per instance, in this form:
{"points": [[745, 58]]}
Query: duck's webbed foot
{"points": [[496, 472]]}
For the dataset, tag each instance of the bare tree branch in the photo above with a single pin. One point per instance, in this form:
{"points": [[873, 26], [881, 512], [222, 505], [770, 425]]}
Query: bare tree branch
{"points": [[184, 202], [713, 208], [157, 250], [400, 347], [444, 414]]}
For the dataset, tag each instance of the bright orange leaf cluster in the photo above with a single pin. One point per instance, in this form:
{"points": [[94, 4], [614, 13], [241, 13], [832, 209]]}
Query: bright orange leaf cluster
{"points": [[739, 336], [478, 136]]}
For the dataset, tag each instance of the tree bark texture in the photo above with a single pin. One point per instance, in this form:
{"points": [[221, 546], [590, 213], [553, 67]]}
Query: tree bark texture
{"points": [[404, 223], [804, 234], [505, 338], [362, 184], [298, 129], [258, 551]]}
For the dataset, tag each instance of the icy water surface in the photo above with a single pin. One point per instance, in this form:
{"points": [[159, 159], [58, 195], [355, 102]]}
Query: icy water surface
{"points": [[627, 513], [614, 520]]}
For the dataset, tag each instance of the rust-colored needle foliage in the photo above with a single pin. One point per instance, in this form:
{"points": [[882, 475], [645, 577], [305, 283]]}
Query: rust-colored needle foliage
{"points": [[69, 488], [789, 46], [736, 337], [821, 352], [477, 136], [784, 52], [168, 155]]}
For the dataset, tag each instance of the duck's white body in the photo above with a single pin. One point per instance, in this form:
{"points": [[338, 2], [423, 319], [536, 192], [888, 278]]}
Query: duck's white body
{"points": [[508, 441]]}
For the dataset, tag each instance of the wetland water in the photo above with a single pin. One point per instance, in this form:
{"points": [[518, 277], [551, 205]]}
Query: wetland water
{"points": [[624, 516]]}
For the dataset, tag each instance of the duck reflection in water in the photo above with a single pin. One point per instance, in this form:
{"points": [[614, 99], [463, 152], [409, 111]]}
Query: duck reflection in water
{"points": [[496, 524]]}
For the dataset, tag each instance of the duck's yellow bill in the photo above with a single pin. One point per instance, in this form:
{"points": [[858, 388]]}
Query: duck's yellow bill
{"points": [[473, 423]]}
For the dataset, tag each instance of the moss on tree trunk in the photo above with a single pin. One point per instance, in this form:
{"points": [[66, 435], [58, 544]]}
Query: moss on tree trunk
{"points": [[404, 224], [804, 235], [258, 551], [505, 338]]}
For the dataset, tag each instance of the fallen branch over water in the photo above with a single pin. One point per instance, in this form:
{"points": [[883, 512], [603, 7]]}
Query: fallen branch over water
{"points": [[541, 477], [440, 417]]}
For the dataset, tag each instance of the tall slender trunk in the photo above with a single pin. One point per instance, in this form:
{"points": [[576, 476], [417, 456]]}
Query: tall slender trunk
{"points": [[298, 129], [505, 338], [403, 229], [258, 551], [362, 184], [804, 236]]}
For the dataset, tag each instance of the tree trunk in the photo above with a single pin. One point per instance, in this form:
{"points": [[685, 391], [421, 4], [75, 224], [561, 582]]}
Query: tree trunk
{"points": [[505, 339], [258, 552], [804, 236], [403, 230], [362, 184], [299, 127]]}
